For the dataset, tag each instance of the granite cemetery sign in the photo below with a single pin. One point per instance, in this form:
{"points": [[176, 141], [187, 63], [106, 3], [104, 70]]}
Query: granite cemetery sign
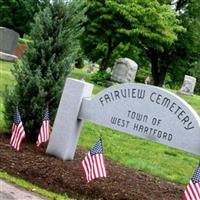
{"points": [[141, 110]]}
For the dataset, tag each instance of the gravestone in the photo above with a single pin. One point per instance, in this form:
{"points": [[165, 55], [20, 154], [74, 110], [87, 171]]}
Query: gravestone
{"points": [[147, 80], [124, 70], [141, 110], [188, 85], [108, 70], [90, 68], [8, 43]]}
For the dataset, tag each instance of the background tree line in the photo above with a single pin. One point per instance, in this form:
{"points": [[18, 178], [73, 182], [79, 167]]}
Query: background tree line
{"points": [[160, 35]]}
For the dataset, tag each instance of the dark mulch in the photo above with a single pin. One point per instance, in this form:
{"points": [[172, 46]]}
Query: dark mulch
{"points": [[67, 177]]}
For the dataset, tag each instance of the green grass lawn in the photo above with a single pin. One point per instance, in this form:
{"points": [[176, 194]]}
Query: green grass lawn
{"points": [[5, 75], [194, 101], [6, 79], [155, 159]]}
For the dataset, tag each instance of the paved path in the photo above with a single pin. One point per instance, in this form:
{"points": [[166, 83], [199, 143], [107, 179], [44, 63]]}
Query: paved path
{"points": [[11, 192]]}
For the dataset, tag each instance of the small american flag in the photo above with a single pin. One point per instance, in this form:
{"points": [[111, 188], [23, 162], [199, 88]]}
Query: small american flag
{"points": [[94, 164], [18, 133], [44, 129], [192, 191]]}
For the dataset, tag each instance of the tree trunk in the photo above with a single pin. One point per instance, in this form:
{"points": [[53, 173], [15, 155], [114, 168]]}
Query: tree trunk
{"points": [[104, 63], [154, 66], [106, 59], [162, 74], [158, 70]]}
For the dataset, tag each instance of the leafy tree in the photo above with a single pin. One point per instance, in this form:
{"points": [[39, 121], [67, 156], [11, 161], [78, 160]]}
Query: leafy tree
{"points": [[190, 39], [144, 24], [102, 32], [41, 73], [104, 38], [156, 28], [18, 14], [183, 56]]}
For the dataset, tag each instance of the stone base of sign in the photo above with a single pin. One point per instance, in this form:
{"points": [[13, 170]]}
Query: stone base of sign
{"points": [[67, 126], [7, 57]]}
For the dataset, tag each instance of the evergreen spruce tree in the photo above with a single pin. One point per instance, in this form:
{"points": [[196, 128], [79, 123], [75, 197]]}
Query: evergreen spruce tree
{"points": [[41, 73]]}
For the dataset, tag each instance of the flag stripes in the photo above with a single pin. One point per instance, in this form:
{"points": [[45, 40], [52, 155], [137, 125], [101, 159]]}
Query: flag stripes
{"points": [[94, 164], [44, 133], [192, 191], [18, 133], [44, 129]]}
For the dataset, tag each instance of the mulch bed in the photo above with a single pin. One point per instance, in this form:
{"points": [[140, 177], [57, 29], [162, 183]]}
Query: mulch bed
{"points": [[46, 171]]}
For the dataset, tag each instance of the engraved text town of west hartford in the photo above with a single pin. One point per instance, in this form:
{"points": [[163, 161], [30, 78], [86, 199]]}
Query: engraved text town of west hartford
{"points": [[154, 97]]}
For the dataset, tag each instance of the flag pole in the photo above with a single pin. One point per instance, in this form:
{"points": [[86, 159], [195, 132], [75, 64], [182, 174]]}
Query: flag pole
{"points": [[100, 138], [47, 107], [16, 106], [100, 135]]}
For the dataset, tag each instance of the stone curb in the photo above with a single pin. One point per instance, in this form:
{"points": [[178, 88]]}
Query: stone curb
{"points": [[11, 192]]}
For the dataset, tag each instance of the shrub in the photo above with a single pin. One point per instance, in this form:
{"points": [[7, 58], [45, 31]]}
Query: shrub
{"points": [[100, 78], [41, 73]]}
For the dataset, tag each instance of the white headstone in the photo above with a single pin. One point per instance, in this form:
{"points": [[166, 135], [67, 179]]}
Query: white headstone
{"points": [[188, 85], [108, 70], [90, 68], [124, 70]]}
